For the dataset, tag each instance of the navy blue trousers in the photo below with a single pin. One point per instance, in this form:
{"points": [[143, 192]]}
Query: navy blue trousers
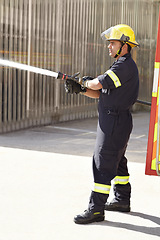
{"points": [[109, 159]]}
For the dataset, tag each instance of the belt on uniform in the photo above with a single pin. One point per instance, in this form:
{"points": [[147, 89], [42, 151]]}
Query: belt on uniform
{"points": [[116, 113]]}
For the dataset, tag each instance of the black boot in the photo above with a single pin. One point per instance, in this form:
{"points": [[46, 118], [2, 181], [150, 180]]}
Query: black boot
{"points": [[89, 217], [116, 206]]}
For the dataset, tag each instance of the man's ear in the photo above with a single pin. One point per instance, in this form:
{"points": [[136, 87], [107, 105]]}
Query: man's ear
{"points": [[125, 47]]}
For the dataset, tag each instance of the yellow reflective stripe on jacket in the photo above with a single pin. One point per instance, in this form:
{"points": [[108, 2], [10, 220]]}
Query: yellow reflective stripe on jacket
{"points": [[101, 188], [114, 78], [121, 180]]}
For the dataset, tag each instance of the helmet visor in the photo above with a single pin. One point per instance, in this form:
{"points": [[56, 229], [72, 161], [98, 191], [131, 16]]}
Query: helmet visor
{"points": [[114, 34]]}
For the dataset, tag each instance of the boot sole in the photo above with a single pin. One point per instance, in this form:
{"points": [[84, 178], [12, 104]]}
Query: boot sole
{"points": [[117, 209], [99, 219]]}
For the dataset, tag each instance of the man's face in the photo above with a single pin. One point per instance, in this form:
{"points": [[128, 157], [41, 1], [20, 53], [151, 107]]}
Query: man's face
{"points": [[113, 47]]}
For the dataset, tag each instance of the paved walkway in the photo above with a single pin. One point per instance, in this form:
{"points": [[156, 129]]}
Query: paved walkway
{"points": [[45, 179]]}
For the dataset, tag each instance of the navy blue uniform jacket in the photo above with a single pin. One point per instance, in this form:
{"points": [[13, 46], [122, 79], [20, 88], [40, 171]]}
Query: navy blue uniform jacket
{"points": [[120, 85]]}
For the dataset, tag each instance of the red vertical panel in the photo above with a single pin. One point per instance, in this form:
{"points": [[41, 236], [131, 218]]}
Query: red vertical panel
{"points": [[148, 170]]}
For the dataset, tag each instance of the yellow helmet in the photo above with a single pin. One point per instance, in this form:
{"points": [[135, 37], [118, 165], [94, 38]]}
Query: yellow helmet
{"points": [[120, 32]]}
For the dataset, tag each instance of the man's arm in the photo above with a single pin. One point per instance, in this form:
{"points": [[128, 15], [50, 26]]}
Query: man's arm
{"points": [[92, 93], [93, 87], [93, 84]]}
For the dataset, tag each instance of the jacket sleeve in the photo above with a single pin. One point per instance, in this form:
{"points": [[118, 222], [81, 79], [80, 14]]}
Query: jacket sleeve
{"points": [[117, 75]]}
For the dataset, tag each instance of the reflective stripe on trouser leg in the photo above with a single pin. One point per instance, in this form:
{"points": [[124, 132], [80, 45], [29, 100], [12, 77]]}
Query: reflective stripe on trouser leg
{"points": [[101, 188], [121, 180]]}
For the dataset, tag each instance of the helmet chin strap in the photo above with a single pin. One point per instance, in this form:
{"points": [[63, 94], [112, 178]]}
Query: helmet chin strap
{"points": [[120, 50]]}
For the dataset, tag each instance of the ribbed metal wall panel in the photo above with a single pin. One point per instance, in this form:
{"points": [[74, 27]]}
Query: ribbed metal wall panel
{"points": [[64, 35]]}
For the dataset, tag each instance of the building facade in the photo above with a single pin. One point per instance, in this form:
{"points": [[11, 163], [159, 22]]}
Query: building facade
{"points": [[64, 35]]}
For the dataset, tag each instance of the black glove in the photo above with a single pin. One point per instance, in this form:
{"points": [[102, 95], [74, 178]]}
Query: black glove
{"points": [[84, 81], [85, 78], [73, 87]]}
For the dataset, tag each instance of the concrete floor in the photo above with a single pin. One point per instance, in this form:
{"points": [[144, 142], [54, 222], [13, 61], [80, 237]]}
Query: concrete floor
{"points": [[46, 178], [77, 138]]}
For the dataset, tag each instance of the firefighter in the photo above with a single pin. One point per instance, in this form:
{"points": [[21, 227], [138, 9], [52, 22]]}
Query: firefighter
{"points": [[117, 91]]}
